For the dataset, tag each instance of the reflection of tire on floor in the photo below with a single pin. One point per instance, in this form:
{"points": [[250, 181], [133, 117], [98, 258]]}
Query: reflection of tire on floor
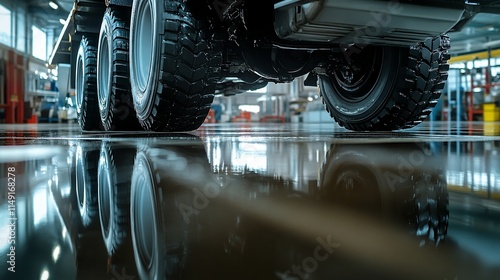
{"points": [[115, 171], [84, 228], [86, 160], [400, 181], [162, 238]]}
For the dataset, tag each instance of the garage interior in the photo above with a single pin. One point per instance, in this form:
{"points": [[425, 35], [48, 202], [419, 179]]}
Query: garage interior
{"points": [[269, 187]]}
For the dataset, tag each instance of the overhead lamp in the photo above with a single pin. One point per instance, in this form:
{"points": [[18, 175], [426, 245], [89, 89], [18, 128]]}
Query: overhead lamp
{"points": [[492, 44], [62, 21], [56, 252], [53, 5], [45, 275]]}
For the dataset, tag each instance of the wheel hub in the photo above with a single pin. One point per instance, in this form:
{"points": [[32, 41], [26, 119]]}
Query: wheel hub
{"points": [[357, 74], [347, 74]]}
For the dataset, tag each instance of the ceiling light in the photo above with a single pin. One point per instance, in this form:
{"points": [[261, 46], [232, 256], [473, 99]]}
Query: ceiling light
{"points": [[492, 44], [45, 275], [56, 252], [62, 21], [53, 5]]}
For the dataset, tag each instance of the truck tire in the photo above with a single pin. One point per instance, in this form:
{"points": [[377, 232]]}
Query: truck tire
{"points": [[114, 173], [86, 85], [113, 79], [403, 183], [86, 185], [386, 88], [162, 230], [173, 66], [146, 241]]}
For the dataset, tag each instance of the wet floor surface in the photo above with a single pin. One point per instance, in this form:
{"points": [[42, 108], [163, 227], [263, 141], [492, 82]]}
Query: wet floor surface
{"points": [[241, 201]]}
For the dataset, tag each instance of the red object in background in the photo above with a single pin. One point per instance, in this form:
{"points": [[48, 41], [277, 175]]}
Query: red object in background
{"points": [[14, 107], [33, 119], [272, 119], [210, 117], [243, 117]]}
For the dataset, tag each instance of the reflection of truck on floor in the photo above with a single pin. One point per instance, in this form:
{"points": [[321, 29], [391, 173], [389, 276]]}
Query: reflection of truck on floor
{"points": [[157, 64], [159, 204]]}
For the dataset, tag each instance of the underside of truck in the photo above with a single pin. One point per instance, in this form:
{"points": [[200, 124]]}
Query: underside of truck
{"points": [[157, 64]]}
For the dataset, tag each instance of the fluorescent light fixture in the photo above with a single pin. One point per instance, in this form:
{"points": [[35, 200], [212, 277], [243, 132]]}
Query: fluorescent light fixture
{"points": [[45, 275], [249, 108], [53, 5], [56, 252], [62, 21], [492, 44]]}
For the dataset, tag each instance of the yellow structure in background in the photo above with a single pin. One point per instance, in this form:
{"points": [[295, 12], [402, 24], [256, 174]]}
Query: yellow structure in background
{"points": [[472, 56], [491, 112], [492, 128]]}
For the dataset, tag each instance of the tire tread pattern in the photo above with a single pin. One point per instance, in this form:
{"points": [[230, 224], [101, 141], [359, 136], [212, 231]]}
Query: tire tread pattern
{"points": [[89, 208], [421, 84], [88, 115], [121, 161], [189, 71], [120, 114], [429, 208]]}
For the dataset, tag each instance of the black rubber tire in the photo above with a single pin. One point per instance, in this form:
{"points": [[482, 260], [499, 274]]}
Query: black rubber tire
{"points": [[86, 85], [401, 94], [355, 186], [114, 174], [430, 208], [86, 185], [146, 236], [403, 182], [155, 225], [174, 66], [76, 220], [113, 79], [163, 229]]}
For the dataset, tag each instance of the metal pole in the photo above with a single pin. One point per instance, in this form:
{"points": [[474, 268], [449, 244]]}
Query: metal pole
{"points": [[458, 97], [488, 80], [448, 93]]}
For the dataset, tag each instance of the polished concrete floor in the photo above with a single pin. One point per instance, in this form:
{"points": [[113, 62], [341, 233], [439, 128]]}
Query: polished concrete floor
{"points": [[251, 201]]}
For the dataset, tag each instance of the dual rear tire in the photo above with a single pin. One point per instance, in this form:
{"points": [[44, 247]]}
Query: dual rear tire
{"points": [[170, 80], [113, 80], [86, 84], [103, 94]]}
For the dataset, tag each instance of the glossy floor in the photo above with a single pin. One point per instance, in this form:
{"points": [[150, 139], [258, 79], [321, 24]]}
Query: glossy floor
{"points": [[241, 201]]}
